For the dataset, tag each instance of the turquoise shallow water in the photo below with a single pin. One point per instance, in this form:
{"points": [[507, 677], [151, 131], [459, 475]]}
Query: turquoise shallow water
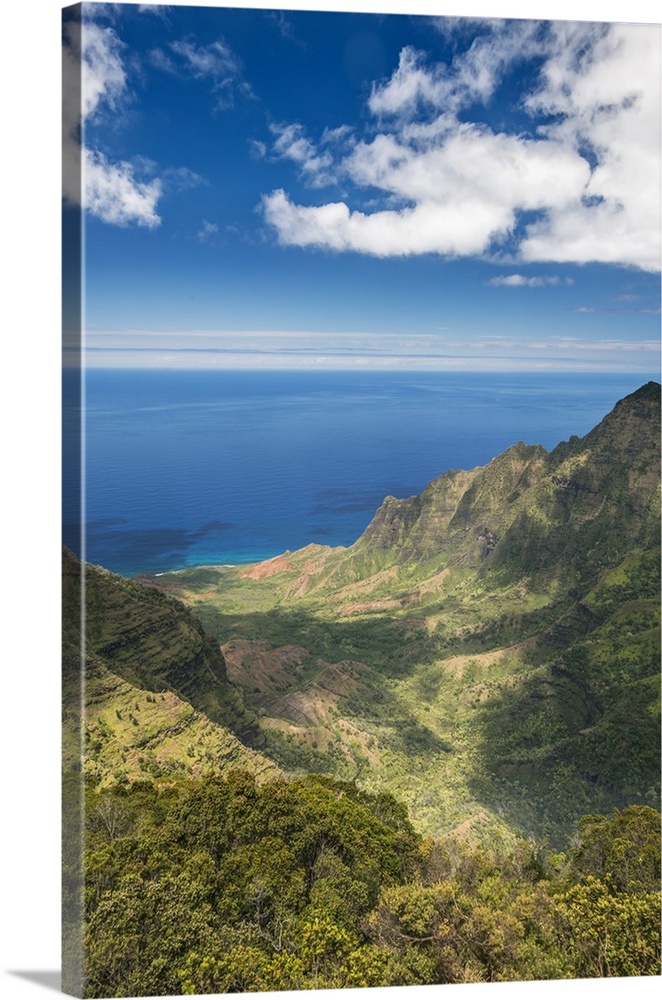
{"points": [[189, 468]]}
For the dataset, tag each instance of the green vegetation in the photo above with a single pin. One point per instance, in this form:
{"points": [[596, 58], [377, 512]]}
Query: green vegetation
{"points": [[265, 748], [527, 714], [157, 699], [223, 885], [489, 649]]}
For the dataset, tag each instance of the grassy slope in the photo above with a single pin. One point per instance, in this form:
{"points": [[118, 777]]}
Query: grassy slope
{"points": [[155, 688], [488, 651]]}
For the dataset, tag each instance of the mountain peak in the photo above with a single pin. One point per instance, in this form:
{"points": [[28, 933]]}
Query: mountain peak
{"points": [[643, 400], [543, 512], [650, 390]]}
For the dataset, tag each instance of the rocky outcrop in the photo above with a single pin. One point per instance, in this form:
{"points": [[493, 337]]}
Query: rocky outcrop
{"points": [[563, 483]]}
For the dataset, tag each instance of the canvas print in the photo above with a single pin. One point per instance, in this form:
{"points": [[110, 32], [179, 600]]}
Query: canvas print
{"points": [[361, 512]]}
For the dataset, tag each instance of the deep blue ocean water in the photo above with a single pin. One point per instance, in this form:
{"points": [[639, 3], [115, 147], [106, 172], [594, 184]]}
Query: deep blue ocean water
{"points": [[197, 467]]}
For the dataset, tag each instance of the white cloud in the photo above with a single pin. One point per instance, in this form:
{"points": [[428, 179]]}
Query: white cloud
{"points": [[426, 228], [608, 97], [460, 196], [208, 232], [473, 166], [94, 75], [110, 191], [102, 10], [160, 9], [180, 179], [160, 60], [411, 86], [113, 194], [257, 149], [618, 309], [285, 26], [337, 136], [119, 193], [103, 76], [472, 77], [362, 350], [215, 62], [455, 188], [291, 143], [520, 281], [648, 346]]}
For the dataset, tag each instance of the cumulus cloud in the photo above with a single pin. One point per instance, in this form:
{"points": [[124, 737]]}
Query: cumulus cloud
{"points": [[581, 185], [114, 195], [94, 76], [426, 228], [95, 87], [607, 99], [472, 77], [460, 195], [111, 191], [318, 164]]}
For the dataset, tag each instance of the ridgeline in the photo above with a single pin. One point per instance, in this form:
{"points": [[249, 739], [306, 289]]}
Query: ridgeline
{"points": [[488, 651], [431, 757]]}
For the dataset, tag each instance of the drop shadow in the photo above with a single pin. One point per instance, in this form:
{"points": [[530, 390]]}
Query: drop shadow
{"points": [[49, 979]]}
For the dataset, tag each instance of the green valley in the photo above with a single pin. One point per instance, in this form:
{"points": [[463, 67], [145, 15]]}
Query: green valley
{"points": [[487, 651], [431, 757]]}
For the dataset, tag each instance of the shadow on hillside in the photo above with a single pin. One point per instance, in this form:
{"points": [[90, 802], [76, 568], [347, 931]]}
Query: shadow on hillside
{"points": [[387, 650], [548, 752], [390, 647], [544, 750], [519, 771]]}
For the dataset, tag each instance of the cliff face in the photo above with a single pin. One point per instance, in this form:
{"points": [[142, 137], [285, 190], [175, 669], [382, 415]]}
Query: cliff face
{"points": [[153, 684], [577, 509], [460, 515], [598, 496], [142, 635]]}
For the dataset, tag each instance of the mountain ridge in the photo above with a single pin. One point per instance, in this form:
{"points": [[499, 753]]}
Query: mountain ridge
{"points": [[496, 635], [465, 516]]}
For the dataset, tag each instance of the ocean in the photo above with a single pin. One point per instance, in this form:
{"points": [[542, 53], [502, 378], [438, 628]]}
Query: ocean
{"points": [[186, 468]]}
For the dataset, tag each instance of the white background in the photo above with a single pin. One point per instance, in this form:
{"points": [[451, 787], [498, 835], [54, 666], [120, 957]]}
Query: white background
{"points": [[29, 488]]}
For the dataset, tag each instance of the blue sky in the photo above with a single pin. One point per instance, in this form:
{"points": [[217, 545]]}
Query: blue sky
{"points": [[333, 190]]}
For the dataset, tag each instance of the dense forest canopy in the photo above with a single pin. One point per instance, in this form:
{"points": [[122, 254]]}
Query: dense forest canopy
{"points": [[224, 885]]}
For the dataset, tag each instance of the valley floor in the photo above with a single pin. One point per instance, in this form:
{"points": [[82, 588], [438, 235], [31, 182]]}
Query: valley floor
{"points": [[470, 703]]}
